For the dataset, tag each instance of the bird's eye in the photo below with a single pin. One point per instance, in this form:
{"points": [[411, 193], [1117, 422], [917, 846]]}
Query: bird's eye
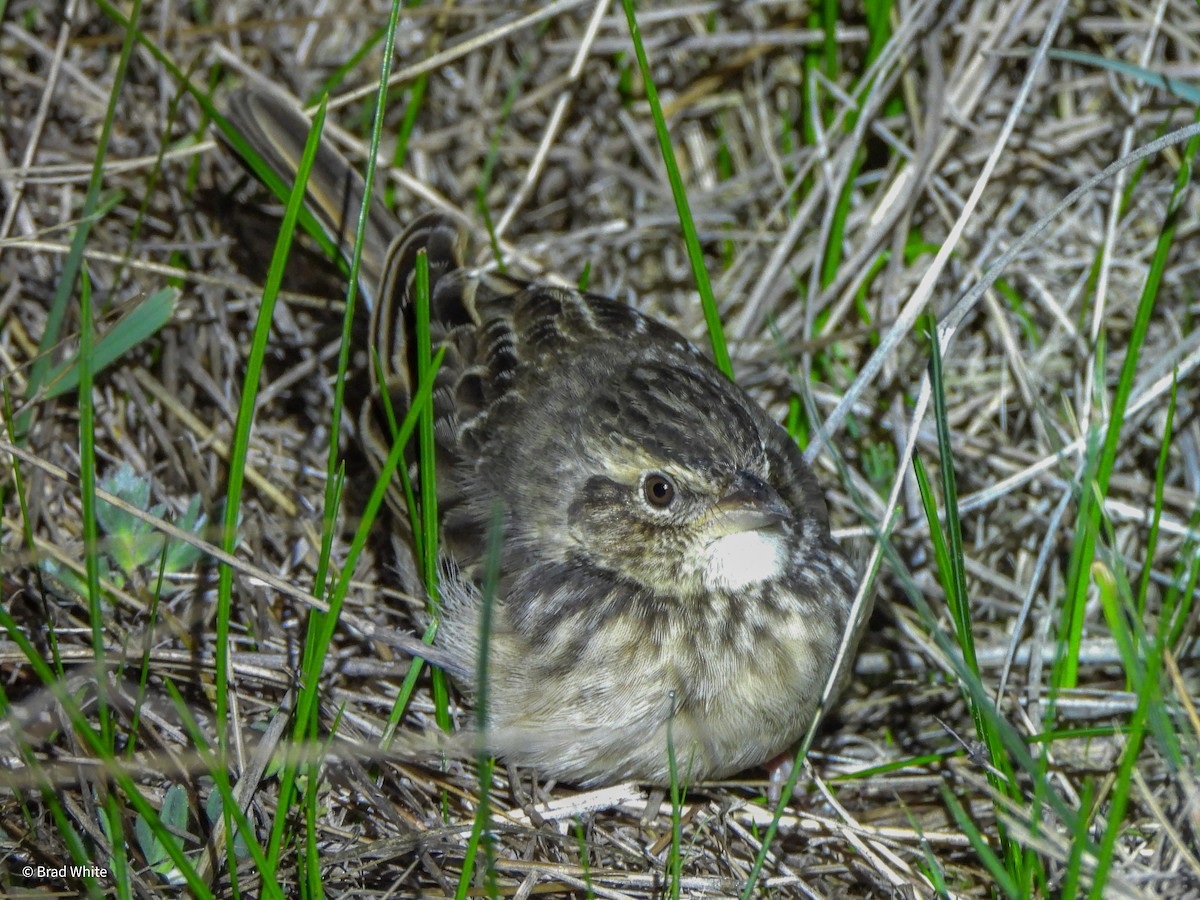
{"points": [[659, 490]]}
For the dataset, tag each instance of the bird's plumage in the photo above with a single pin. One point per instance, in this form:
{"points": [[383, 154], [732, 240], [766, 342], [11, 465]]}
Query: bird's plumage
{"points": [[667, 564]]}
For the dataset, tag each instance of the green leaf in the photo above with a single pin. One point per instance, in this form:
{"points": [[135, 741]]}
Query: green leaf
{"points": [[151, 314], [65, 577], [1185, 91], [134, 490], [130, 541], [174, 812], [181, 556], [153, 839], [213, 808]]}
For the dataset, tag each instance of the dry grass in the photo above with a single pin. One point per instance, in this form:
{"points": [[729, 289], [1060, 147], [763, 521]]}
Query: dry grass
{"points": [[1024, 386]]}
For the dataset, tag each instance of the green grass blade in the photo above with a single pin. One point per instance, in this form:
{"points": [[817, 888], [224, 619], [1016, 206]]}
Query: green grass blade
{"points": [[951, 565], [90, 212], [96, 615], [995, 866], [712, 316], [222, 784], [94, 742], [1077, 590], [321, 625], [338, 75], [306, 701], [1146, 691], [955, 578], [1185, 91], [1177, 603], [428, 526], [1160, 480], [480, 828], [239, 450], [136, 326]]}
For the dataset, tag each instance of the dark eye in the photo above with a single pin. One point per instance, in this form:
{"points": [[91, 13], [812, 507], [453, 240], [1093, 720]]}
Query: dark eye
{"points": [[659, 490]]}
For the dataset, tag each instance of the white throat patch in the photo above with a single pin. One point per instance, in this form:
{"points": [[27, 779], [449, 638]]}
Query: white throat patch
{"points": [[744, 558]]}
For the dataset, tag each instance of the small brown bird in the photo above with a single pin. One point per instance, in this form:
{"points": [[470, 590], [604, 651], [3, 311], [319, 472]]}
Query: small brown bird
{"points": [[667, 567]]}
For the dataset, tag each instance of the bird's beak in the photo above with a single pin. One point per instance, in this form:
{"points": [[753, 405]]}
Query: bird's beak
{"points": [[750, 504]]}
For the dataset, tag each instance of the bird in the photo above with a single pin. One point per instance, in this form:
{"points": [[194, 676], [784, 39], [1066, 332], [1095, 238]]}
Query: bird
{"points": [[669, 600]]}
